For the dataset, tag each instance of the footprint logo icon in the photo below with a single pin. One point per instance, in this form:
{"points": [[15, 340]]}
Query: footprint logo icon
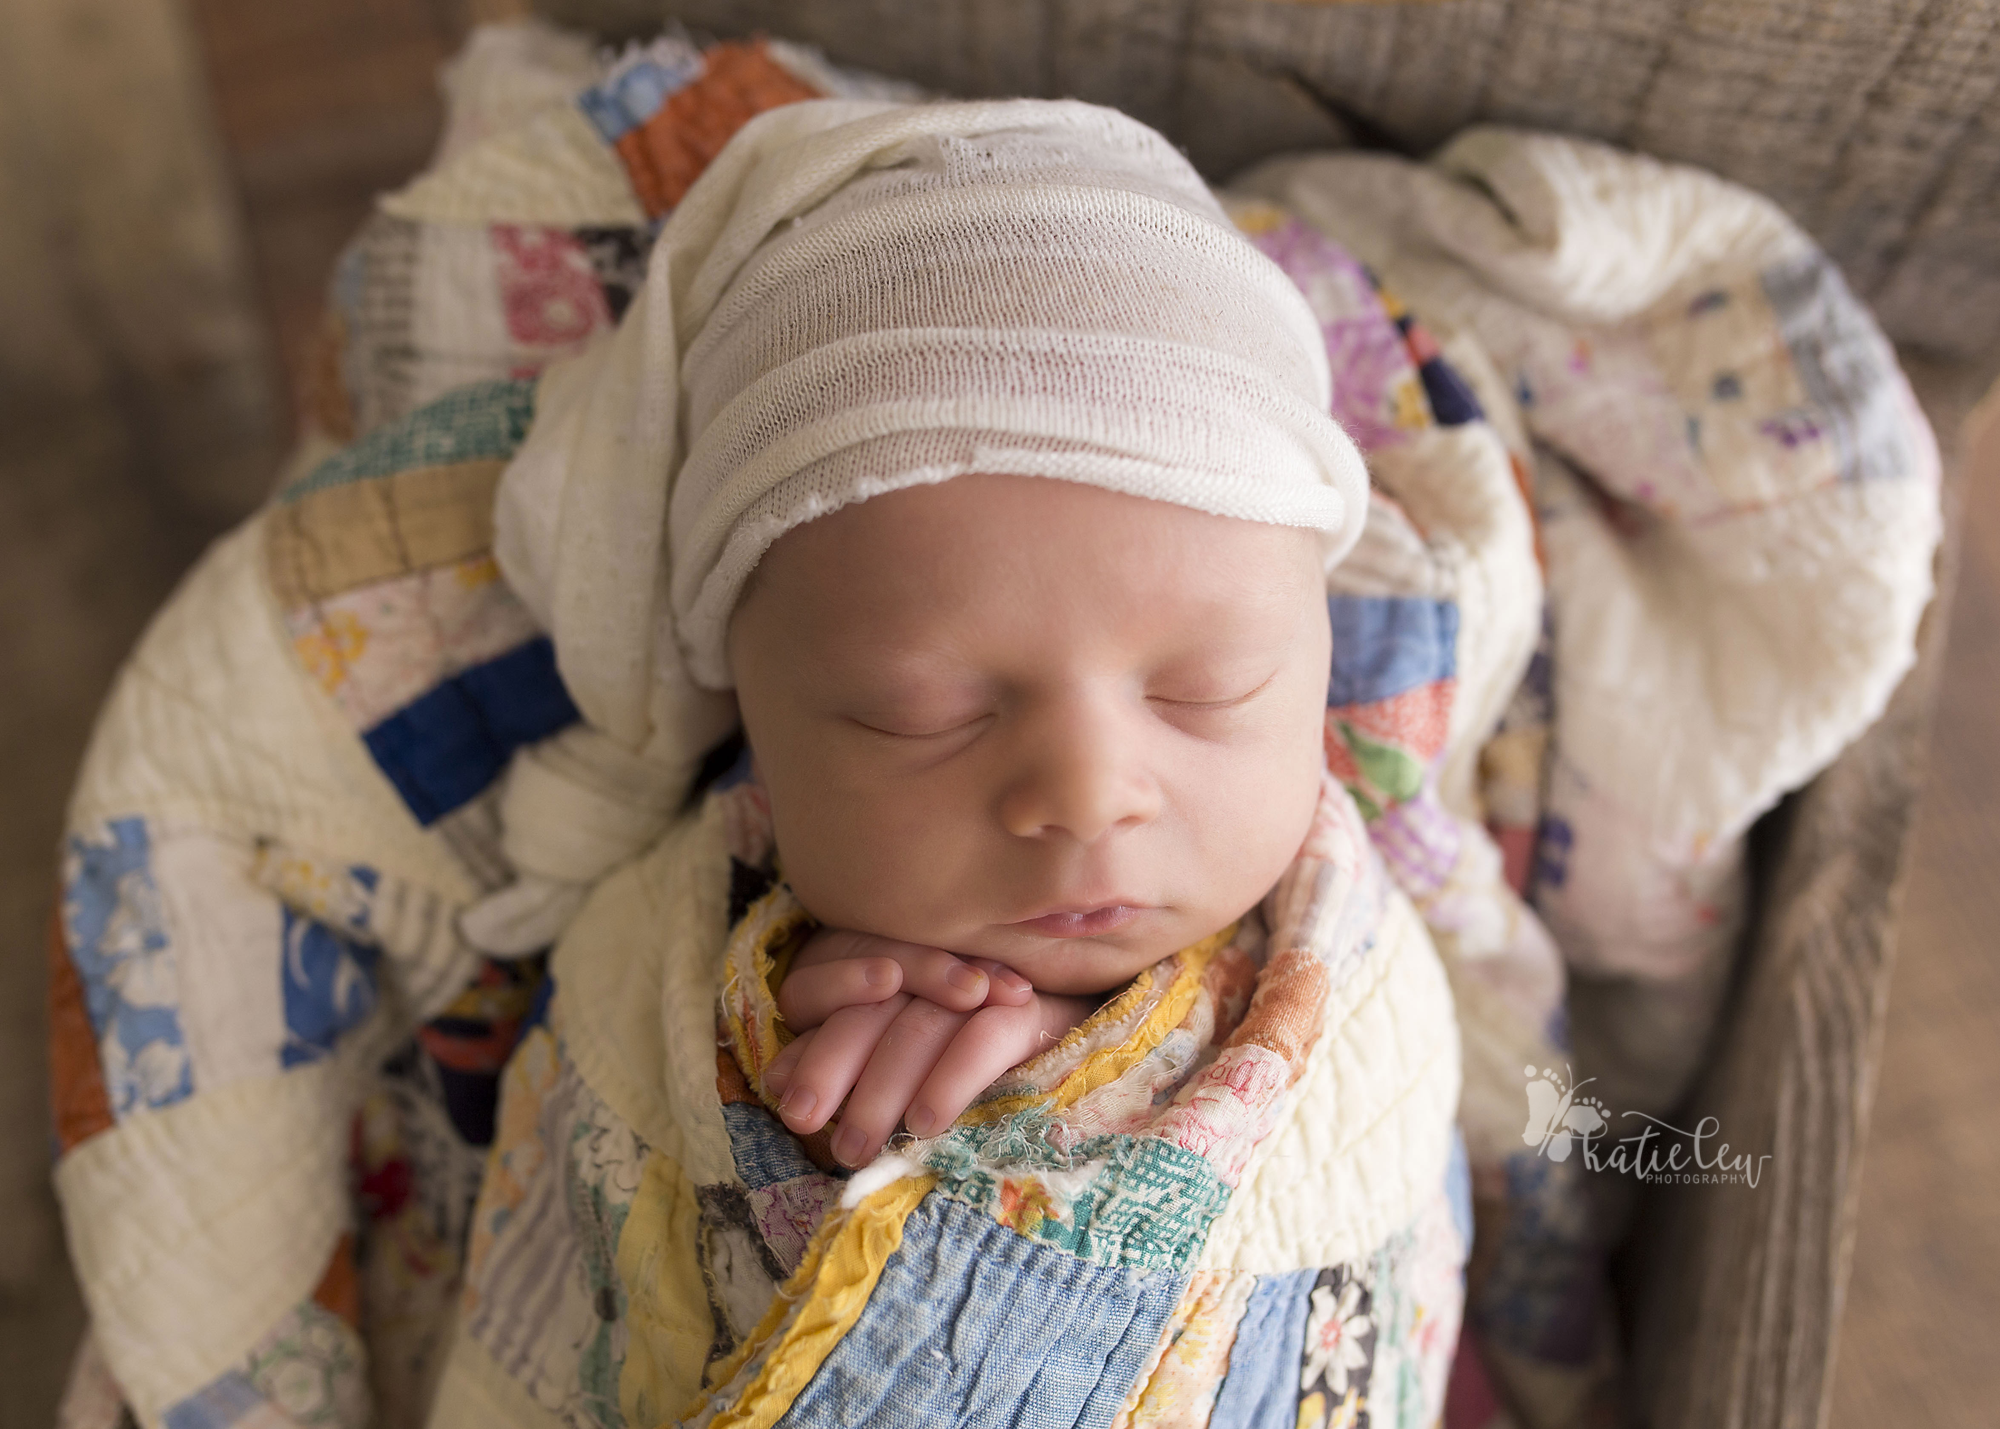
{"points": [[1557, 1117]]}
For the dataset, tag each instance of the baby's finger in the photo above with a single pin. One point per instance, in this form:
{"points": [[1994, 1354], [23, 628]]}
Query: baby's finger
{"points": [[901, 1061], [993, 1040], [828, 1068], [1004, 986], [812, 994], [929, 973], [782, 1065], [950, 981]]}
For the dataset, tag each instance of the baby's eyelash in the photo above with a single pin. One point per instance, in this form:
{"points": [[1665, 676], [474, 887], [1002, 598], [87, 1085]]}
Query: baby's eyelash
{"points": [[1224, 703], [958, 728]]}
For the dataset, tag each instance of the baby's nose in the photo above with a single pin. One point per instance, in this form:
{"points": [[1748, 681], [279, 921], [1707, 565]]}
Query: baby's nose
{"points": [[1080, 776]]}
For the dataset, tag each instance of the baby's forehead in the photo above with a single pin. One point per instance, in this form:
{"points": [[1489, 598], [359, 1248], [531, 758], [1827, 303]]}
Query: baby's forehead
{"points": [[1031, 560]]}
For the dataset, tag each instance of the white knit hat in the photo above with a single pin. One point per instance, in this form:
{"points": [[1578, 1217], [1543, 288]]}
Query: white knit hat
{"points": [[854, 298]]}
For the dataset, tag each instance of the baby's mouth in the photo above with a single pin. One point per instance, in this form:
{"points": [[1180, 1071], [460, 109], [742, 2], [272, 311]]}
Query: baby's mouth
{"points": [[1081, 922]]}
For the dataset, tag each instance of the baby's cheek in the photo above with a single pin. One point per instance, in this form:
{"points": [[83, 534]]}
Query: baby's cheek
{"points": [[1264, 819], [871, 862]]}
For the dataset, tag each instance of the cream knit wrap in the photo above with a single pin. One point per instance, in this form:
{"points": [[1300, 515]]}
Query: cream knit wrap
{"points": [[857, 297]]}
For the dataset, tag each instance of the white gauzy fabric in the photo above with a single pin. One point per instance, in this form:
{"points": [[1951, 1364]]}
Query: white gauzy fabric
{"points": [[854, 298]]}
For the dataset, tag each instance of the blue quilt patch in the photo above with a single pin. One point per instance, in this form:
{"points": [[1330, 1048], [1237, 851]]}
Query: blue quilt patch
{"points": [[1261, 1390], [1450, 395], [118, 940], [634, 92], [1386, 645], [329, 987], [443, 748], [229, 1400], [765, 1152], [975, 1326]]}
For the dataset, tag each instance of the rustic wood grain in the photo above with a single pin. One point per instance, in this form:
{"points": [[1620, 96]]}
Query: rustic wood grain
{"points": [[1736, 1294]]}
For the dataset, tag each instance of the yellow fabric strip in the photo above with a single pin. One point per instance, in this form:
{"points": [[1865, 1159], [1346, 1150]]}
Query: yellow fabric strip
{"points": [[346, 536], [667, 1314], [768, 933], [837, 1276], [1111, 1063]]}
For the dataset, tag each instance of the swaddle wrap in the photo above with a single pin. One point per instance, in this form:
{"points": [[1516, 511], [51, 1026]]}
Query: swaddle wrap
{"points": [[858, 297], [1225, 1194]]}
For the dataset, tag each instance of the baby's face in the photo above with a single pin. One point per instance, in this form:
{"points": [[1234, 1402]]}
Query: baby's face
{"points": [[1035, 721]]}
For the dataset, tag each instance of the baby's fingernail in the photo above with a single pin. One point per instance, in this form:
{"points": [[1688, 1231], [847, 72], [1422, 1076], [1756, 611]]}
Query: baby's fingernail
{"points": [[879, 973], [1013, 981], [848, 1144], [798, 1103], [966, 979], [921, 1121]]}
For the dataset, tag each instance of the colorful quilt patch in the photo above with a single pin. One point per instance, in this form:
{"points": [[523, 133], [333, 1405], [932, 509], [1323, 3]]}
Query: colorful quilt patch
{"points": [[1197, 1343], [666, 151], [80, 1105], [485, 421], [470, 1041], [309, 1371], [1389, 378], [366, 365], [378, 648], [334, 540], [1450, 395], [549, 292], [543, 1293], [1383, 752], [1386, 645], [116, 931], [766, 1154], [442, 749], [329, 988], [1145, 1203], [1420, 842], [640, 81], [618, 258], [1262, 1386], [340, 895], [382, 562], [185, 973], [1076, 1334], [1378, 395]]}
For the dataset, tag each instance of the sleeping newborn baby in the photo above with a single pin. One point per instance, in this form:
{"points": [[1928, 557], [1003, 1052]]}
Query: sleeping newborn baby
{"points": [[970, 458], [1022, 739]]}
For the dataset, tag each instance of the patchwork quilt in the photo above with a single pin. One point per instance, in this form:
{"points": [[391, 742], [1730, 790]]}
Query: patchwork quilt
{"points": [[1650, 533]]}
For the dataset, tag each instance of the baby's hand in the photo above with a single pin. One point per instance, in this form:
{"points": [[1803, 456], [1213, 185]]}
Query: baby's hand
{"points": [[904, 1033]]}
